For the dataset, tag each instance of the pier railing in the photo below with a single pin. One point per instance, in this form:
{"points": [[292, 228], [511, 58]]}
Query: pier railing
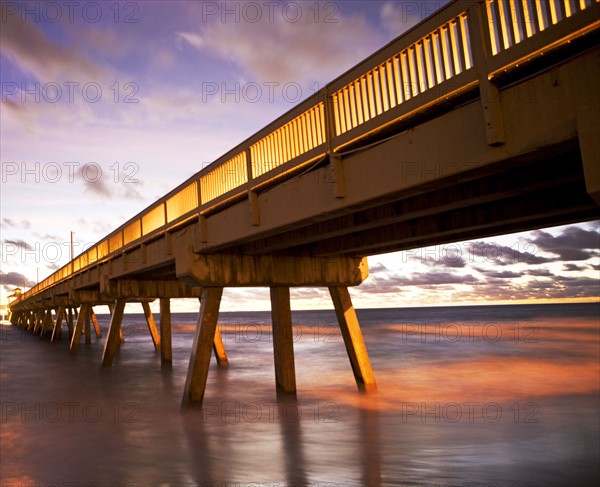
{"points": [[453, 51]]}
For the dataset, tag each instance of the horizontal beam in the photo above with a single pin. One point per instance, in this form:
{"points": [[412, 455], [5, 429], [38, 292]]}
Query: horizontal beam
{"points": [[232, 270], [95, 297], [132, 288]]}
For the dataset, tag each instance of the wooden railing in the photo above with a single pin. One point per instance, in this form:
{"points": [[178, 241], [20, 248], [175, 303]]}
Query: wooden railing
{"points": [[425, 66]]}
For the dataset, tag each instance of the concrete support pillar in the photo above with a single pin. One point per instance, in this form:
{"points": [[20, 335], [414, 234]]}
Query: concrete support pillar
{"points": [[69, 321], [283, 341], [166, 350]]}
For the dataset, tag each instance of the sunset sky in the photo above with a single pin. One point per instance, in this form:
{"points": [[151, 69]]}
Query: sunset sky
{"points": [[106, 107]]}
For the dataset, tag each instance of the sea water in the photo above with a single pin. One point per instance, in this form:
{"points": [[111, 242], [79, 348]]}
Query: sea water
{"points": [[467, 396]]}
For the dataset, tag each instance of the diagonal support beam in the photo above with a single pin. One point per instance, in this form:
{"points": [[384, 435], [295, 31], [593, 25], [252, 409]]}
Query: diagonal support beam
{"points": [[47, 322], [81, 318], [87, 326], [197, 374], [151, 325], [57, 329], [97, 328], [353, 339], [219, 350], [113, 340], [218, 346], [111, 309]]}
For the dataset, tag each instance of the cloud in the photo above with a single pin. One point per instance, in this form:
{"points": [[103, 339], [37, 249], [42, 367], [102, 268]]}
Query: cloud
{"points": [[500, 274], [14, 279], [379, 284], [26, 45], [540, 273], [97, 185], [19, 243], [279, 49], [8, 222], [378, 267], [573, 243], [308, 293], [106, 41], [47, 237], [573, 267], [191, 38], [98, 188], [399, 16], [448, 259], [431, 278], [130, 192], [502, 255]]}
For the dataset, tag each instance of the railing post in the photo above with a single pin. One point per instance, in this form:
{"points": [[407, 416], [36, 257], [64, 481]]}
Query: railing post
{"points": [[337, 169], [252, 195], [490, 95], [329, 120]]}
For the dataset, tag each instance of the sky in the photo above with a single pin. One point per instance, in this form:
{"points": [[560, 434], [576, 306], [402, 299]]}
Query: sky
{"points": [[107, 106]]}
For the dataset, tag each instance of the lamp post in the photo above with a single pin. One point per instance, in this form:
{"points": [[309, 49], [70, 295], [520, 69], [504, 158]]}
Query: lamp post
{"points": [[72, 233]]}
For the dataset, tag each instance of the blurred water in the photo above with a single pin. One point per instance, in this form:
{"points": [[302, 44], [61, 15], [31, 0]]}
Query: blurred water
{"points": [[469, 396]]}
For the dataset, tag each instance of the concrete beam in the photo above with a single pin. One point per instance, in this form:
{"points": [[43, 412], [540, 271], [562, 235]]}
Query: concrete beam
{"points": [[229, 270], [96, 297], [58, 301], [89, 296], [133, 288]]}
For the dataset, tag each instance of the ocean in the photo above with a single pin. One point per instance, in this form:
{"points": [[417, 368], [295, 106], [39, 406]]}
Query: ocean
{"points": [[503, 396]]}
